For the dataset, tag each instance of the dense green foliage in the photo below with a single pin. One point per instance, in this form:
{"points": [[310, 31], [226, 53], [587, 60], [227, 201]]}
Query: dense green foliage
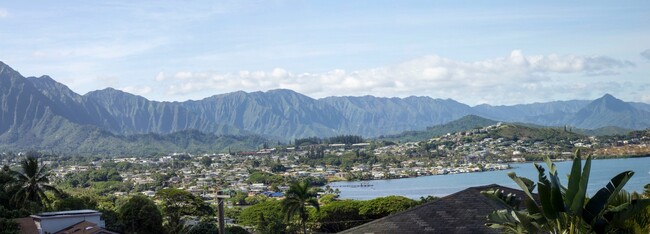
{"points": [[85, 178], [340, 139], [141, 215], [344, 139], [307, 141], [201, 228], [266, 217], [333, 215], [236, 230], [297, 199], [560, 209], [33, 181], [176, 203], [74, 203], [341, 215], [383, 206], [265, 177], [553, 136]]}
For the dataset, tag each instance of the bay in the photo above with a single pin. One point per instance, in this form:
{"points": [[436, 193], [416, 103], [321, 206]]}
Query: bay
{"points": [[442, 185]]}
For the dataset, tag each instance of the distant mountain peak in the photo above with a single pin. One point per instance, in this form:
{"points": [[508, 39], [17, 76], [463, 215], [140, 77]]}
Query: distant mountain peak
{"points": [[610, 111], [44, 79], [284, 91], [608, 96], [6, 70], [107, 90], [610, 102], [112, 93], [4, 65]]}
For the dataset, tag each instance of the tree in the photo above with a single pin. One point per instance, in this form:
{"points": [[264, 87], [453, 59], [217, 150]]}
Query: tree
{"points": [[9, 226], [427, 199], [266, 217], [202, 228], [140, 215], [236, 230], [277, 167], [177, 203], [74, 203], [297, 199], [252, 200], [33, 182], [340, 215], [560, 209], [206, 161], [239, 198], [383, 206], [328, 198], [8, 188]]}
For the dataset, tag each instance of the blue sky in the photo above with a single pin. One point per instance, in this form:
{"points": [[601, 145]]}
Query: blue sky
{"points": [[496, 52]]}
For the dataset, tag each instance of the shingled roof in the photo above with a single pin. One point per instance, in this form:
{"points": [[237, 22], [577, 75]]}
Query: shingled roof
{"points": [[461, 212]]}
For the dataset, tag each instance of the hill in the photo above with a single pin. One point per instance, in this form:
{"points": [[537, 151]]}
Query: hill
{"points": [[531, 134], [463, 124], [604, 131]]}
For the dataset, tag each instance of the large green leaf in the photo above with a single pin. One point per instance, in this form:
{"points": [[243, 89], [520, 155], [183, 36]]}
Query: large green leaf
{"points": [[508, 200], [597, 205], [578, 200], [574, 179], [557, 200], [525, 184], [544, 192]]}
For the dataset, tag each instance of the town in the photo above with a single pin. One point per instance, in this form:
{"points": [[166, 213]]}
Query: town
{"points": [[248, 178], [268, 170]]}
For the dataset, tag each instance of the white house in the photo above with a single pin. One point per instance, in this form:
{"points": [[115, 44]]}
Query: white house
{"points": [[56, 222]]}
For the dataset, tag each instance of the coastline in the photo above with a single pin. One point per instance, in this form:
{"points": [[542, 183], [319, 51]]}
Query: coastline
{"points": [[415, 187]]}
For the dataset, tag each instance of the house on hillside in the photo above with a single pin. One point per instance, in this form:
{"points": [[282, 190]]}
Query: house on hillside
{"points": [[64, 222], [461, 212]]}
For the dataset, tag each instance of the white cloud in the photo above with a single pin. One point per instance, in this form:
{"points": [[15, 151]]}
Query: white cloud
{"points": [[138, 90], [4, 13], [160, 76], [505, 79]]}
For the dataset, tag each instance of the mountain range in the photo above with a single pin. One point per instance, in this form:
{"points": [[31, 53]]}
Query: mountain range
{"points": [[37, 111]]}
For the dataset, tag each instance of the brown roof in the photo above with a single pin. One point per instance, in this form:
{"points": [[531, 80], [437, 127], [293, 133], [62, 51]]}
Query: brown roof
{"points": [[27, 225], [84, 227], [461, 212]]}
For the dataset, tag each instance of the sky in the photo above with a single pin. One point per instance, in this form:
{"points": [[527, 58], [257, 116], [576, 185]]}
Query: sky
{"points": [[475, 52]]}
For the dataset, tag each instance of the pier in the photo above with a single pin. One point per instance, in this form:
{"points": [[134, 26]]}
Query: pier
{"points": [[361, 185]]}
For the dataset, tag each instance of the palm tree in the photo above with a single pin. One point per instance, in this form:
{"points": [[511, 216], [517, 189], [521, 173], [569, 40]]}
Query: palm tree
{"points": [[297, 198], [33, 182]]}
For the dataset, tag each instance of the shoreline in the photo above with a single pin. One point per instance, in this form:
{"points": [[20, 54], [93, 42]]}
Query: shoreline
{"points": [[602, 172], [508, 164]]}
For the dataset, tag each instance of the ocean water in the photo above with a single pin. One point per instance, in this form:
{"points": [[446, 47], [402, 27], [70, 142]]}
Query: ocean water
{"points": [[441, 185]]}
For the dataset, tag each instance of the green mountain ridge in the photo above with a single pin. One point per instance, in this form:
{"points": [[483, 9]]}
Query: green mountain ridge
{"points": [[42, 113]]}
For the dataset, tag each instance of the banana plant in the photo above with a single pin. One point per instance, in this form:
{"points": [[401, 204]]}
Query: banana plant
{"points": [[560, 209]]}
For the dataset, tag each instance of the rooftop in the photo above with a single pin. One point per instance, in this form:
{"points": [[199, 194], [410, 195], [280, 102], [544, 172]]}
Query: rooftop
{"points": [[71, 212], [461, 212]]}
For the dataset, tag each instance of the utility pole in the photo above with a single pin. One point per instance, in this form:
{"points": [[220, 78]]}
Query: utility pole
{"points": [[220, 200]]}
